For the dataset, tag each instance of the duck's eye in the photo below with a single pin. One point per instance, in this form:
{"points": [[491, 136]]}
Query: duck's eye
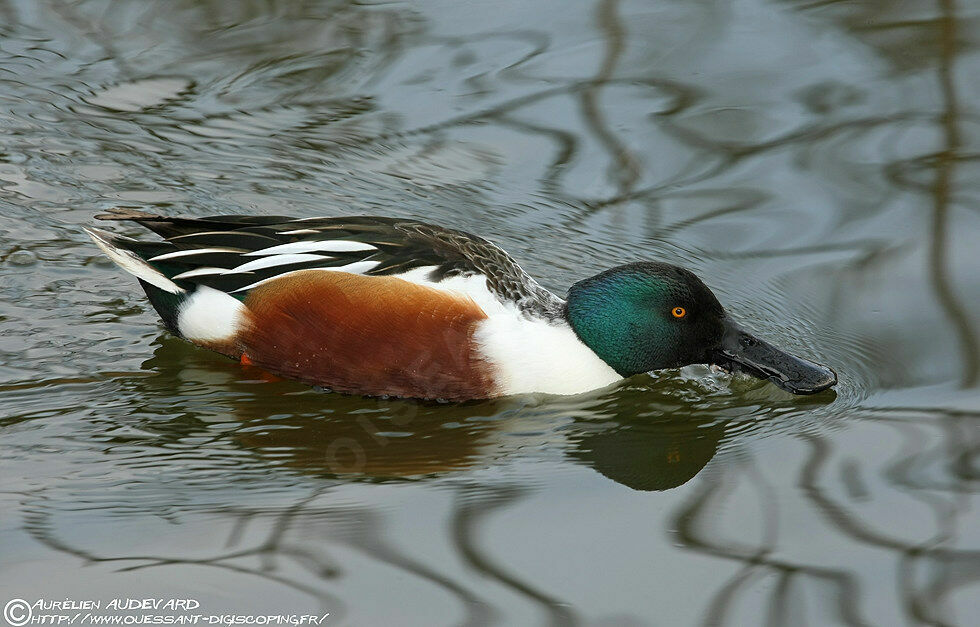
{"points": [[678, 312]]}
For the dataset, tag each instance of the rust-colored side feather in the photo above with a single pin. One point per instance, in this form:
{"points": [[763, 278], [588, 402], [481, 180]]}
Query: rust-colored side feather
{"points": [[366, 335]]}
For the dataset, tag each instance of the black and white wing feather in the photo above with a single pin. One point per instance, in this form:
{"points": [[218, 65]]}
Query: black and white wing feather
{"points": [[235, 253]]}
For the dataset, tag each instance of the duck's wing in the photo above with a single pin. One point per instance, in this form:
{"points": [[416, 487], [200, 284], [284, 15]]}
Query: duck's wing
{"points": [[235, 254]]}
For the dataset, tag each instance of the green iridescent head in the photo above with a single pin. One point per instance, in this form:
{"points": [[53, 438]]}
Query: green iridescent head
{"points": [[648, 316]]}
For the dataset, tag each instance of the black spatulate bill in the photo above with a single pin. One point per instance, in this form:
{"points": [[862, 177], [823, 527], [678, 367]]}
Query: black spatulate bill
{"points": [[740, 351]]}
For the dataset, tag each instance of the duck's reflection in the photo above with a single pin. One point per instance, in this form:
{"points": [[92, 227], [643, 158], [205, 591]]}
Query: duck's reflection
{"points": [[362, 443], [650, 456], [366, 439], [644, 439]]}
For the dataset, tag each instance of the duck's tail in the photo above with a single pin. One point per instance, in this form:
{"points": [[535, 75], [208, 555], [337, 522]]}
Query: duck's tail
{"points": [[165, 295], [121, 250]]}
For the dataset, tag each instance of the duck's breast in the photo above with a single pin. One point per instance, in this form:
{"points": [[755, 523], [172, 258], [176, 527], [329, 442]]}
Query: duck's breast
{"points": [[535, 355]]}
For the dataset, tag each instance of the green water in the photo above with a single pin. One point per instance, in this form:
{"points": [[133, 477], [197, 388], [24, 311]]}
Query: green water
{"points": [[816, 163]]}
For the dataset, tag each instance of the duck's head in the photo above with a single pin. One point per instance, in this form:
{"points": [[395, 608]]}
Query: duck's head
{"points": [[647, 316]]}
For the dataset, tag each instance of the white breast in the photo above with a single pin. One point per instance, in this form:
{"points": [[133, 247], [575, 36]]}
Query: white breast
{"points": [[534, 355], [528, 354]]}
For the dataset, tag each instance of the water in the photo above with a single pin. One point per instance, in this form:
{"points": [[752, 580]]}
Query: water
{"points": [[815, 162]]}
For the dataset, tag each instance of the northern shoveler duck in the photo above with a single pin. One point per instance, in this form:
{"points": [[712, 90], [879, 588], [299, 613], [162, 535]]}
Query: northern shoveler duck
{"points": [[391, 307]]}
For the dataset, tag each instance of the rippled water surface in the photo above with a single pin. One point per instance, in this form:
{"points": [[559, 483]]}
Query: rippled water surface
{"points": [[817, 163]]}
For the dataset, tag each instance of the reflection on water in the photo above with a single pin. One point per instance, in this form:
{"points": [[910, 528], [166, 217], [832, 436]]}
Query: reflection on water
{"points": [[814, 162]]}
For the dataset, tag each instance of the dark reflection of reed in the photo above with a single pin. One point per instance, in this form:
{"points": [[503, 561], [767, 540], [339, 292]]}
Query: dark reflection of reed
{"points": [[275, 546], [473, 505], [356, 528], [922, 605], [757, 560], [945, 166], [950, 568], [624, 170]]}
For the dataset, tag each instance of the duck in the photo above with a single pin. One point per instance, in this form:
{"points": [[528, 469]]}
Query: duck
{"points": [[392, 307]]}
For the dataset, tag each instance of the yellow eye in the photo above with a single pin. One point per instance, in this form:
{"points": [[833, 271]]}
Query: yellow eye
{"points": [[678, 312]]}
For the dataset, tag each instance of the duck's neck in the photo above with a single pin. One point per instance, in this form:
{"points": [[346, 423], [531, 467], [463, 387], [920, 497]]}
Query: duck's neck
{"points": [[606, 314], [596, 331]]}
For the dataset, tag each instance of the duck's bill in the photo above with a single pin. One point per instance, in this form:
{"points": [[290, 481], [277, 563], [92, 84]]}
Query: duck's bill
{"points": [[741, 351]]}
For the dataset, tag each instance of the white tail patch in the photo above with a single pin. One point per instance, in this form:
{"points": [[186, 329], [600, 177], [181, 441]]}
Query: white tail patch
{"points": [[130, 262], [336, 246], [210, 315]]}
